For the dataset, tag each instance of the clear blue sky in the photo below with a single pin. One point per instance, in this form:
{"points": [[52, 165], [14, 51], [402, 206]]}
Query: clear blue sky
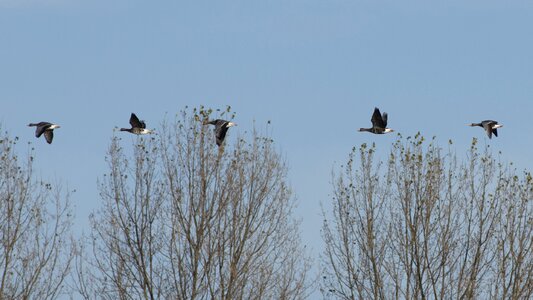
{"points": [[315, 68]]}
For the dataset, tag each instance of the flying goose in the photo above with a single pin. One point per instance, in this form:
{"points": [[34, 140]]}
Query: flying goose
{"points": [[221, 127], [379, 123], [46, 128], [137, 126], [490, 126]]}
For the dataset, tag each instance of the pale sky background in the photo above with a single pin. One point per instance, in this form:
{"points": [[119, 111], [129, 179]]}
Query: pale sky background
{"points": [[315, 68]]}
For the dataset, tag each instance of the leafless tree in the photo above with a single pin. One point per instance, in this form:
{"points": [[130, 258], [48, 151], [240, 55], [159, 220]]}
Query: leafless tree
{"points": [[36, 245], [428, 227], [184, 219]]}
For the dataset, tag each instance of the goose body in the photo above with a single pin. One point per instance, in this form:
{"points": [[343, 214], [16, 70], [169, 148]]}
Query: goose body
{"points": [[379, 123], [221, 128], [490, 126], [45, 128], [137, 126]]}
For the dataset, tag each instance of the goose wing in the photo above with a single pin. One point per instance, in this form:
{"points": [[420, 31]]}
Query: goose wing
{"points": [[487, 125], [49, 136], [488, 128], [385, 118], [134, 122], [377, 120], [41, 128], [221, 129]]}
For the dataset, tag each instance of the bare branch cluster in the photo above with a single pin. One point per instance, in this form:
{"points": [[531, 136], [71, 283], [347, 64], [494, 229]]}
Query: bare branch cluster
{"points": [[36, 245], [183, 219], [429, 227]]}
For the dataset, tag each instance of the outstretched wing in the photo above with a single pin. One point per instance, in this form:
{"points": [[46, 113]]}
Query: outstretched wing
{"points": [[376, 120], [488, 128], [39, 131], [49, 136], [495, 131], [41, 128], [385, 117], [221, 129], [134, 122]]}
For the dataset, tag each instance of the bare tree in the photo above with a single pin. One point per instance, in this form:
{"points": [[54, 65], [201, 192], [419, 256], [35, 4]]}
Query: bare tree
{"points": [[428, 227], [36, 246], [184, 219]]}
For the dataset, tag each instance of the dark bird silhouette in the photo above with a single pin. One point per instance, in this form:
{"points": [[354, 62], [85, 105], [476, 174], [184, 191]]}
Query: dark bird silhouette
{"points": [[46, 128], [221, 127], [137, 126], [379, 123], [490, 126]]}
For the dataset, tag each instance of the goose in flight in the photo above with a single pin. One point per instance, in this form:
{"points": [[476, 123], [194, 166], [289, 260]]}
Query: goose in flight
{"points": [[45, 127], [221, 127], [379, 123], [490, 126], [137, 126]]}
